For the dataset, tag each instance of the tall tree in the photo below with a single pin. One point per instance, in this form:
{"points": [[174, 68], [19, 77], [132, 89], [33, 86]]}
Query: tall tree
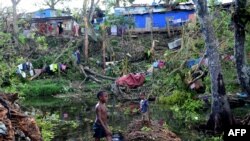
{"points": [[103, 31], [241, 17], [14, 5], [220, 116], [92, 9], [15, 26], [117, 3], [86, 27], [53, 3]]}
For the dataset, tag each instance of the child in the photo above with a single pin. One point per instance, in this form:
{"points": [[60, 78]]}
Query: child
{"points": [[101, 122], [144, 107]]}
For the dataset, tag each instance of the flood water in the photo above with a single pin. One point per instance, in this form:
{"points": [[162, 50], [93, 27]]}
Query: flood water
{"points": [[82, 112]]}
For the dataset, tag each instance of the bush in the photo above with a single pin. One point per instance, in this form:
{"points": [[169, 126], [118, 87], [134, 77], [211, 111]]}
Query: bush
{"points": [[177, 98], [189, 112], [193, 105], [46, 129]]}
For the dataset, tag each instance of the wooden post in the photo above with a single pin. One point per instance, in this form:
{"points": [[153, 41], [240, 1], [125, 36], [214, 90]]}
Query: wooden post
{"points": [[151, 26], [168, 27]]}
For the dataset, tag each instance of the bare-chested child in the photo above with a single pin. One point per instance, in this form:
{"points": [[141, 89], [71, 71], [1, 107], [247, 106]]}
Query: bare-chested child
{"points": [[101, 122]]}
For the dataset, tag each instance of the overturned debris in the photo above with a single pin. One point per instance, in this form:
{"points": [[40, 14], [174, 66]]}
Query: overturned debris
{"points": [[138, 131], [14, 124]]}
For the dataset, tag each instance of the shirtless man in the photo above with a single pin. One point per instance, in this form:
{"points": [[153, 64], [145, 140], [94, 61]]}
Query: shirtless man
{"points": [[101, 122]]}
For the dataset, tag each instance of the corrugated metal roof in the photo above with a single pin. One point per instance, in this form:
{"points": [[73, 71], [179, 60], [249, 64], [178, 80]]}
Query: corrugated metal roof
{"points": [[143, 9]]}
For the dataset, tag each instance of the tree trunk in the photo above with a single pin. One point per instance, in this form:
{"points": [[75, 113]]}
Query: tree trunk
{"points": [[52, 6], [103, 48], [86, 37], [220, 116], [239, 47], [92, 9], [117, 3], [15, 26]]}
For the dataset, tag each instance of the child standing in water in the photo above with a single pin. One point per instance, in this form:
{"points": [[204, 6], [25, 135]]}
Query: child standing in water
{"points": [[144, 107], [101, 122]]}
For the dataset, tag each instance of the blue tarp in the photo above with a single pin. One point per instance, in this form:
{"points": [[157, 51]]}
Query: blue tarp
{"points": [[140, 21], [159, 19], [192, 62]]}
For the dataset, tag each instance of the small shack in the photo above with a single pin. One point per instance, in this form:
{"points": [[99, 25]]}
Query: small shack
{"points": [[160, 16], [53, 22]]}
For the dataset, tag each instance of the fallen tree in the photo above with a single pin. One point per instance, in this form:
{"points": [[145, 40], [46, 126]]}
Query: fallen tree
{"points": [[89, 74], [14, 124]]}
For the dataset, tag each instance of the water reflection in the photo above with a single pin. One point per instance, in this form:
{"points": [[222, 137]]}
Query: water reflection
{"points": [[83, 113]]}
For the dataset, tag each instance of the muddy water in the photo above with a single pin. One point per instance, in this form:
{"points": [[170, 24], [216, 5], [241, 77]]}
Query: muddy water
{"points": [[83, 113]]}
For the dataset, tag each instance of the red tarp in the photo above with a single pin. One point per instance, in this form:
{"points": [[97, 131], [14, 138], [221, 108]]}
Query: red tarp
{"points": [[131, 80]]}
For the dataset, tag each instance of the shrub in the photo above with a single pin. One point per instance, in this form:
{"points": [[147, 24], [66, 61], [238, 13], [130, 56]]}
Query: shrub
{"points": [[193, 105], [177, 98]]}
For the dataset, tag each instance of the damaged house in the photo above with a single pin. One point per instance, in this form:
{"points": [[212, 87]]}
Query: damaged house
{"points": [[53, 22], [161, 16]]}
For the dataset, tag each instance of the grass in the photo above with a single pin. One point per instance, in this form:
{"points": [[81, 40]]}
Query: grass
{"points": [[45, 87]]}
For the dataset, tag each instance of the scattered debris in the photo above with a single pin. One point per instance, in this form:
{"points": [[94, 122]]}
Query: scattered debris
{"points": [[242, 95], [14, 125], [174, 44], [131, 80], [138, 131]]}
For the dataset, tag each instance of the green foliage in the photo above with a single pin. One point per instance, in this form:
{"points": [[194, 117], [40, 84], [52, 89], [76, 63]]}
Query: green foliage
{"points": [[241, 111], [212, 138], [7, 57], [164, 84], [118, 20], [146, 129], [52, 126], [46, 128], [193, 105], [128, 110], [179, 1], [22, 39], [125, 68], [4, 38], [187, 113], [47, 102], [42, 44], [114, 42], [176, 98], [185, 108], [42, 88]]}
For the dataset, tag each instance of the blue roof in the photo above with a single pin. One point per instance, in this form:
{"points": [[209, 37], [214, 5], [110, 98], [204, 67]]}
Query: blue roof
{"points": [[48, 13]]}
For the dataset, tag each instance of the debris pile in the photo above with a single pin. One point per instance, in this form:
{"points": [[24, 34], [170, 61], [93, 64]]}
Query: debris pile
{"points": [[153, 131], [14, 125]]}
